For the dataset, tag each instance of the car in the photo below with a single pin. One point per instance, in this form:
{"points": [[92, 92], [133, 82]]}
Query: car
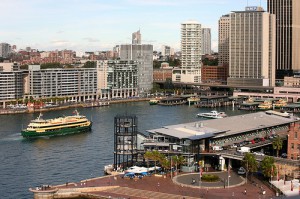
{"points": [[234, 145], [284, 155], [217, 148], [242, 171], [258, 153]]}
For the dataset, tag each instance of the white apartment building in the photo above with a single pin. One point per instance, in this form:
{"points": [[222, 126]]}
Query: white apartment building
{"points": [[78, 84], [252, 48], [190, 71], [223, 40], [206, 41], [11, 82], [117, 78]]}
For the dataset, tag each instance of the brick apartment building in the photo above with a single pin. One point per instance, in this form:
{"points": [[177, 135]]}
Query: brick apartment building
{"points": [[214, 74]]}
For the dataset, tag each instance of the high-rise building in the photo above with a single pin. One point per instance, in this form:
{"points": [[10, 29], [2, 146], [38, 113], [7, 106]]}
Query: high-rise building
{"points": [[206, 41], [143, 53], [190, 53], [117, 78], [166, 51], [252, 48], [5, 50], [287, 36], [137, 37], [11, 82], [223, 40], [79, 84]]}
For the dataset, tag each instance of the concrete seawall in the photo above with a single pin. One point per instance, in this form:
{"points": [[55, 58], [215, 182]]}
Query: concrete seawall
{"points": [[61, 193]]}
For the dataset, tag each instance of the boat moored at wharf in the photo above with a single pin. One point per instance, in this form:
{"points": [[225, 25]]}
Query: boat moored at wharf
{"points": [[57, 126]]}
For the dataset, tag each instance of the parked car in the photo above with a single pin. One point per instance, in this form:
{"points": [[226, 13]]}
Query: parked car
{"points": [[284, 155], [244, 149], [241, 171], [234, 145], [259, 153], [217, 148]]}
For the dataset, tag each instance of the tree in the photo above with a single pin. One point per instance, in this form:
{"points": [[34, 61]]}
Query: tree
{"points": [[156, 64], [249, 163], [51, 65], [155, 156], [178, 160], [165, 163], [89, 64], [148, 156], [268, 167], [277, 144]]}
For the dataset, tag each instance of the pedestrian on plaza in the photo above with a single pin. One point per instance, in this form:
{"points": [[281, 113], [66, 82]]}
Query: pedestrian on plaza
{"points": [[245, 192], [193, 181]]}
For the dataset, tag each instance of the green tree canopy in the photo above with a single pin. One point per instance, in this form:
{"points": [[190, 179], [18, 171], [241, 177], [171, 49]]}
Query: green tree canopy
{"points": [[210, 62], [90, 64], [268, 167], [249, 163], [51, 65], [277, 144], [154, 156], [178, 160]]}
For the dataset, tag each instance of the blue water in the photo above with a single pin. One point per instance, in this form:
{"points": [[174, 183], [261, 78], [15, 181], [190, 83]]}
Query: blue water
{"points": [[57, 160]]}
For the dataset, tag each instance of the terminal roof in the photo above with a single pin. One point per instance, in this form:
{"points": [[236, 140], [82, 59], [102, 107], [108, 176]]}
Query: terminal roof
{"points": [[223, 127]]}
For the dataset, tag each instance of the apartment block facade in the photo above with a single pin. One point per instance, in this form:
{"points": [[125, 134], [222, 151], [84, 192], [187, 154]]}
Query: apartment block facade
{"points": [[191, 37], [206, 41], [223, 39], [287, 14], [117, 78], [78, 84], [252, 48], [11, 82], [5, 50], [143, 54]]}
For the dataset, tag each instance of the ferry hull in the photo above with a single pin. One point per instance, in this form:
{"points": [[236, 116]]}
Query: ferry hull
{"points": [[62, 131]]}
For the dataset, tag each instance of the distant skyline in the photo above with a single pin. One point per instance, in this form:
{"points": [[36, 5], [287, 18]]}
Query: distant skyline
{"points": [[94, 25]]}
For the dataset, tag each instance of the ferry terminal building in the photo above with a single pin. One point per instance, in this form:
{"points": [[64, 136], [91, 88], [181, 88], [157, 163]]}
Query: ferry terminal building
{"points": [[195, 140]]}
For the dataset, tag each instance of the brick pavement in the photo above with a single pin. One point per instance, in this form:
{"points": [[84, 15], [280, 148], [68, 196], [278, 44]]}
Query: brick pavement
{"points": [[160, 187]]}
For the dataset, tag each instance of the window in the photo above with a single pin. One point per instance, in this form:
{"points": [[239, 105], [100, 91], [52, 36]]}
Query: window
{"points": [[296, 135], [292, 145]]}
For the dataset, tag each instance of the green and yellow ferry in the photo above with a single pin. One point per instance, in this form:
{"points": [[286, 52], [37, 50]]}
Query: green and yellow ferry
{"points": [[57, 126]]}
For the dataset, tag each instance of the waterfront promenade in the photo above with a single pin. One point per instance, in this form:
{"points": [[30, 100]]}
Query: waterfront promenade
{"points": [[163, 187], [63, 106]]}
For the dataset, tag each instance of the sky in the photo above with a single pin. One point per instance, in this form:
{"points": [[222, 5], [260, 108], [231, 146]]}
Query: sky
{"points": [[95, 25]]}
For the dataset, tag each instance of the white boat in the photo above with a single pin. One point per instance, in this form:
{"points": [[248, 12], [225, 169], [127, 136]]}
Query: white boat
{"points": [[212, 114]]}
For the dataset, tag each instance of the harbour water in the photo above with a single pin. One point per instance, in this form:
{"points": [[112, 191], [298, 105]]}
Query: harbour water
{"points": [[57, 160]]}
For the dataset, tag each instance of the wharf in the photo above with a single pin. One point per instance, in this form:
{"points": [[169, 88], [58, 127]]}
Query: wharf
{"points": [[213, 101], [148, 187]]}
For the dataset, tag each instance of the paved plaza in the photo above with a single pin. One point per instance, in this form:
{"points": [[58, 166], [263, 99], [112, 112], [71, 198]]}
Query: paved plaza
{"points": [[179, 187]]}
